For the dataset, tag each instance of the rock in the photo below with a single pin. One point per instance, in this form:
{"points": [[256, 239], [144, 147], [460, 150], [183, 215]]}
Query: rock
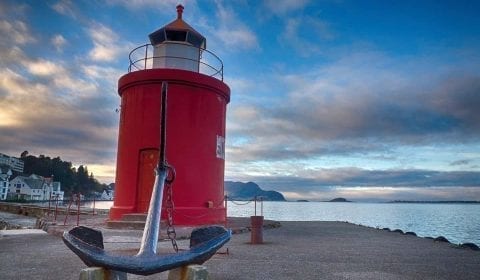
{"points": [[339, 199], [441, 239], [4, 225], [398, 230], [470, 246], [410, 233]]}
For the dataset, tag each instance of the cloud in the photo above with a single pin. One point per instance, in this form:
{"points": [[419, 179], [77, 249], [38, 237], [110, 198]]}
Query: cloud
{"points": [[383, 194], [372, 185], [149, 4], [16, 32], [50, 107], [58, 41], [43, 68], [66, 8], [284, 6], [77, 126], [240, 37], [303, 181], [321, 178], [461, 162], [362, 103], [458, 97], [228, 29], [305, 35], [105, 43], [54, 107]]}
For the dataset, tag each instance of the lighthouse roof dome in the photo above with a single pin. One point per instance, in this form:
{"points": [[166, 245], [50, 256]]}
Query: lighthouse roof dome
{"points": [[178, 31]]}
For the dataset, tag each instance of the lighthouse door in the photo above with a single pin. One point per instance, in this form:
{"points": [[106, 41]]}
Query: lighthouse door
{"points": [[146, 177]]}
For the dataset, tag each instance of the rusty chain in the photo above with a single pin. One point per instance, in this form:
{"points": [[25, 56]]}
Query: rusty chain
{"points": [[172, 235]]}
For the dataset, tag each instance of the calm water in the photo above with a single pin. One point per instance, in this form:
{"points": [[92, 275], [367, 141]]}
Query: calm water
{"points": [[459, 223]]}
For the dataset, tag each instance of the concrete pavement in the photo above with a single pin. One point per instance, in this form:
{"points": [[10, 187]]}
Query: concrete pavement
{"points": [[296, 250]]}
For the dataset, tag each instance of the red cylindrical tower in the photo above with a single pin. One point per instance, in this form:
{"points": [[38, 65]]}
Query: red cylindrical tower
{"points": [[196, 113]]}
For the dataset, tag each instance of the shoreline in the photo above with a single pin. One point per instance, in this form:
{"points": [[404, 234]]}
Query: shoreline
{"points": [[10, 221], [27, 210]]}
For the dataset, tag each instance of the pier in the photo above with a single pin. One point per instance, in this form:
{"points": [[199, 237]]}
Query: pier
{"points": [[294, 250]]}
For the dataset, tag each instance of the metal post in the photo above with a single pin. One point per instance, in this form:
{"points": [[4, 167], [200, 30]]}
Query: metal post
{"points": [[146, 54], [261, 206], [93, 206], [56, 207], [68, 209], [49, 199], [78, 209], [255, 205], [226, 212]]}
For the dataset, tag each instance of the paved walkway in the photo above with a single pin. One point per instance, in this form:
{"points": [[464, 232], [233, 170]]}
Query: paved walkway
{"points": [[14, 221], [296, 250]]}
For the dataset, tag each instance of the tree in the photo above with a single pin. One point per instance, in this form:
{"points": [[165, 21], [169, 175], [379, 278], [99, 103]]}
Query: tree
{"points": [[24, 154], [72, 180]]}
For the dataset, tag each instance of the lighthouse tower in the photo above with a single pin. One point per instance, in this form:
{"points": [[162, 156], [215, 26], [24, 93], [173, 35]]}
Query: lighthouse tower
{"points": [[196, 113]]}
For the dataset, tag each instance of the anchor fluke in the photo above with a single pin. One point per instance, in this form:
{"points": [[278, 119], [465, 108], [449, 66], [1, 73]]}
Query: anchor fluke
{"points": [[213, 238]]}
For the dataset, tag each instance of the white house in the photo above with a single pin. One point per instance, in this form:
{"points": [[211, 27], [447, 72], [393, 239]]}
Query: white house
{"points": [[35, 187], [15, 163], [54, 190], [107, 194], [5, 173]]}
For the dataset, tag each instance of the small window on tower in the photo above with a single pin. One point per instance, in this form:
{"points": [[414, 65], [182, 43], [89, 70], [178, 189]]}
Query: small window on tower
{"points": [[195, 40], [176, 35]]}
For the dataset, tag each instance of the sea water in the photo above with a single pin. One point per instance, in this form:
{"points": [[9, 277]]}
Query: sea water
{"points": [[459, 223]]}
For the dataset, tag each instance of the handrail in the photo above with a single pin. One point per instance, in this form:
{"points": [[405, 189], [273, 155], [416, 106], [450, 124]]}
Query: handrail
{"points": [[142, 57]]}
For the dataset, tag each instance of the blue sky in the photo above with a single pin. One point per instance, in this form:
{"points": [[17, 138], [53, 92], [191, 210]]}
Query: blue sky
{"points": [[370, 100]]}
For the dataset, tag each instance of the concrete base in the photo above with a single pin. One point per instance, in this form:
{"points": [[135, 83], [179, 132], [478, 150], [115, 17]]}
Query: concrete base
{"points": [[100, 273], [190, 272]]}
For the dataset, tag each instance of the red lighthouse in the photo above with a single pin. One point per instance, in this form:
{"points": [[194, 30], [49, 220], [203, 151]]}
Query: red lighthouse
{"points": [[197, 101]]}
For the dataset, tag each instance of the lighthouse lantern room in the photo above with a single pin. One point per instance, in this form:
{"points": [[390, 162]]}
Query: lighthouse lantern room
{"points": [[177, 45], [195, 125]]}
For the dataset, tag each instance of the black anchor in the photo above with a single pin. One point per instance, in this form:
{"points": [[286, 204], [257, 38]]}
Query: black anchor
{"points": [[87, 243]]}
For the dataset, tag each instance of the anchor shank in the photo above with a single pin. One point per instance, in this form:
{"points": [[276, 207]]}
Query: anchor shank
{"points": [[152, 224]]}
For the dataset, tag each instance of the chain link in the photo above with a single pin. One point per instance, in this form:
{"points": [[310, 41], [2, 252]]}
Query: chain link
{"points": [[241, 203], [172, 235]]}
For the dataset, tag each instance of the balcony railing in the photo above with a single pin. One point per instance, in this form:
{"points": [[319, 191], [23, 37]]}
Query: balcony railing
{"points": [[142, 58]]}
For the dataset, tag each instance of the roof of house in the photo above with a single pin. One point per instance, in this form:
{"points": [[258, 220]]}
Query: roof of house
{"points": [[32, 182], [4, 168]]}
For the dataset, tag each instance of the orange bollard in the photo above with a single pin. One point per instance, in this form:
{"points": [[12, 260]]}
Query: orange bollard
{"points": [[256, 236]]}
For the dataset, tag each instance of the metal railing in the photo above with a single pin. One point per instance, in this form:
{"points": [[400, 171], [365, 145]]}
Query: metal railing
{"points": [[142, 58], [243, 202]]}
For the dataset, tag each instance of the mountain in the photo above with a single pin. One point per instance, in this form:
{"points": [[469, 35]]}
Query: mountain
{"points": [[339, 199], [247, 191]]}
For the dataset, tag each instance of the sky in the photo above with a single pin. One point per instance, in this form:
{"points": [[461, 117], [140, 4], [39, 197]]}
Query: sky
{"points": [[368, 100]]}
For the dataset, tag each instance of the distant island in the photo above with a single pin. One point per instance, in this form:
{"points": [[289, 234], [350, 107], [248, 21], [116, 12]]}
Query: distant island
{"points": [[250, 190], [435, 201], [302, 200], [339, 199]]}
